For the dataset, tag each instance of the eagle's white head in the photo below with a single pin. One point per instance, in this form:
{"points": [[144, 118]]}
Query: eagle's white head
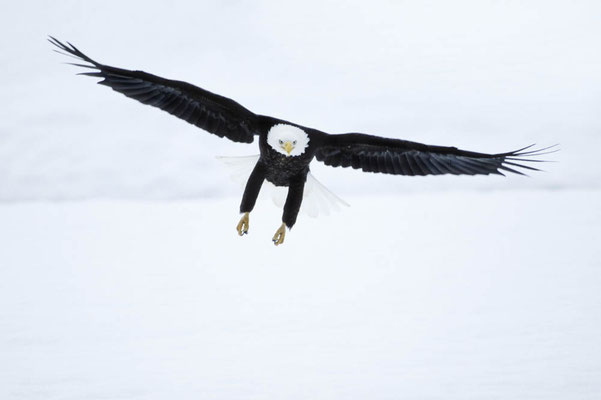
{"points": [[288, 140]]}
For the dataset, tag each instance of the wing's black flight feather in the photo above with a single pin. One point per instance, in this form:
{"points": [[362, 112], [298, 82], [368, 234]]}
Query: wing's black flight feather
{"points": [[401, 157], [214, 113]]}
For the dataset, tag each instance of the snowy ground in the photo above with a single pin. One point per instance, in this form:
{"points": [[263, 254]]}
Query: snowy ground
{"points": [[487, 295]]}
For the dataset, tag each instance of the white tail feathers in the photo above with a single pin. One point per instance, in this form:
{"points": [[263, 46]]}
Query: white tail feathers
{"points": [[239, 167], [317, 199]]}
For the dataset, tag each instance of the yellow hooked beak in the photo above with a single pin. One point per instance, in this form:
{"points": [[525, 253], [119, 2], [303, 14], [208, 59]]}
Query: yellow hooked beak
{"points": [[288, 147]]}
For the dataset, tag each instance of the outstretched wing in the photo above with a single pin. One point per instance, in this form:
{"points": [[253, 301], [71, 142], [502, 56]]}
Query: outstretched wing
{"points": [[214, 113], [400, 157]]}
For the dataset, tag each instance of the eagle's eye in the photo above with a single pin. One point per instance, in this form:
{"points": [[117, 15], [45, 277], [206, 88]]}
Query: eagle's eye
{"points": [[281, 141], [294, 142]]}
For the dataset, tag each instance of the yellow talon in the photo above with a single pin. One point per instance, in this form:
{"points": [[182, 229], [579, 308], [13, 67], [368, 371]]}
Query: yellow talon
{"points": [[278, 238], [243, 225]]}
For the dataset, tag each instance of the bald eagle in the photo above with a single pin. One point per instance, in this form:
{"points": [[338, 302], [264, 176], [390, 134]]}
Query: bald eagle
{"points": [[286, 148]]}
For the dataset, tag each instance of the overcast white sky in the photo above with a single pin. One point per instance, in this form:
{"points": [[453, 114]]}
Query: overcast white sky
{"points": [[488, 76]]}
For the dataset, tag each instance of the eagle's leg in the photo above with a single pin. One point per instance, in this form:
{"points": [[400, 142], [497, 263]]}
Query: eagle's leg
{"points": [[291, 208], [249, 198], [242, 226], [278, 238]]}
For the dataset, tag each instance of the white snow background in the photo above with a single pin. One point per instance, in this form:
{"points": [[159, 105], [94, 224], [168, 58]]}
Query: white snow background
{"points": [[121, 274]]}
